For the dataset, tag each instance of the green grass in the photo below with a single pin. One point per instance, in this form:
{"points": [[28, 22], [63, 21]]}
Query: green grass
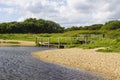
{"points": [[29, 37], [110, 45], [111, 42], [62, 40], [104, 50]]}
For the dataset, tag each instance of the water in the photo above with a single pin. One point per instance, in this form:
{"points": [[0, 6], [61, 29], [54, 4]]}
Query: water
{"points": [[16, 63]]}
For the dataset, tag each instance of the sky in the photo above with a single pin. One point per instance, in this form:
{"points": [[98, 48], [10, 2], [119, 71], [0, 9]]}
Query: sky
{"points": [[65, 12]]}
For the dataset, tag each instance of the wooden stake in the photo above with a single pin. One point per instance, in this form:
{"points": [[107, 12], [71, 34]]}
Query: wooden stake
{"points": [[48, 42]]}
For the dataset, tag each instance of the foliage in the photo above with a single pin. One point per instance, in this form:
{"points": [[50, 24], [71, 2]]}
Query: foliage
{"points": [[91, 27], [111, 25], [31, 25], [110, 45], [73, 28]]}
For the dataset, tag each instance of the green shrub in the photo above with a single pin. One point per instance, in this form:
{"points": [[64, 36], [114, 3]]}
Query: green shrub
{"points": [[111, 25]]}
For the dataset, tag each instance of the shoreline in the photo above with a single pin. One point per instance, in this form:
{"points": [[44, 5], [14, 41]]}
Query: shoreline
{"points": [[96, 74], [88, 59], [5, 43]]}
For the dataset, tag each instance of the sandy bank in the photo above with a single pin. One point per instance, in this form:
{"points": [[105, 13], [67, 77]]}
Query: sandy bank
{"points": [[107, 63], [16, 43]]}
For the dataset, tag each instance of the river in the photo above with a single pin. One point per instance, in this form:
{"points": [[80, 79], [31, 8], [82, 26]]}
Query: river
{"points": [[16, 63]]}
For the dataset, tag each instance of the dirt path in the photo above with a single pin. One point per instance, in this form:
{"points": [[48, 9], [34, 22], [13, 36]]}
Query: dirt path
{"points": [[107, 63], [16, 43]]}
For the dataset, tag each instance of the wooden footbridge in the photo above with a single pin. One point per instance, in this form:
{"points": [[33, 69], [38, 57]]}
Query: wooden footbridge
{"points": [[59, 42], [62, 42], [52, 42]]}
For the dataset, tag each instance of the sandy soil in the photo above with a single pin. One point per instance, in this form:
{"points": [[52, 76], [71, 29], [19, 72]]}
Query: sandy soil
{"points": [[20, 43], [89, 59]]}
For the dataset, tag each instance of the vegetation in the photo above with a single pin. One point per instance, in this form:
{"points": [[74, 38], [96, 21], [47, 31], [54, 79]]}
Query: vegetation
{"points": [[31, 25], [91, 27], [111, 25], [103, 35]]}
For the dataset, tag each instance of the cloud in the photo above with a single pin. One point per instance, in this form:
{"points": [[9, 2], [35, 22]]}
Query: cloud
{"points": [[40, 7], [7, 10], [65, 12]]}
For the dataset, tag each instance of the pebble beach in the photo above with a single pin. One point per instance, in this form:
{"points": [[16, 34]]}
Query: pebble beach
{"points": [[88, 59]]}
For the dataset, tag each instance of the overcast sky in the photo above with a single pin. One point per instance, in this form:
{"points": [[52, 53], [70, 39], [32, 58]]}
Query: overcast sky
{"points": [[65, 12]]}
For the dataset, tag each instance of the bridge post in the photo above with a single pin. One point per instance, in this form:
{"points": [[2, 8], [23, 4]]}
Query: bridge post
{"points": [[58, 42], [48, 42]]}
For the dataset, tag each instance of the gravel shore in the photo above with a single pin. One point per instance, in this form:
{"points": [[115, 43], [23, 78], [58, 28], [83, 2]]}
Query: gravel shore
{"points": [[89, 59]]}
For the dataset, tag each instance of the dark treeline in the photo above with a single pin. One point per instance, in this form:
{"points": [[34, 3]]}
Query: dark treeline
{"points": [[31, 25], [111, 25], [92, 27]]}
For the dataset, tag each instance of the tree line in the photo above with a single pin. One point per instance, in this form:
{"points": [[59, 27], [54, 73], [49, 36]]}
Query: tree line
{"points": [[111, 25], [33, 25]]}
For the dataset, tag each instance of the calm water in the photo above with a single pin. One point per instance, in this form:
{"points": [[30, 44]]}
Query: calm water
{"points": [[16, 63]]}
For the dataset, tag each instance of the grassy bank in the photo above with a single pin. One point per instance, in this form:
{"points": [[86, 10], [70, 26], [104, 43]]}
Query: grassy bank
{"points": [[31, 37], [109, 45], [111, 40]]}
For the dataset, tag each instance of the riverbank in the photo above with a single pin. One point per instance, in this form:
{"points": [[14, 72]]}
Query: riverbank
{"points": [[16, 63], [89, 59], [16, 43]]}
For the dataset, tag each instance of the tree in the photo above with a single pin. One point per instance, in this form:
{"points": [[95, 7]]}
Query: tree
{"points": [[74, 28], [93, 27], [111, 25], [31, 25], [3, 27]]}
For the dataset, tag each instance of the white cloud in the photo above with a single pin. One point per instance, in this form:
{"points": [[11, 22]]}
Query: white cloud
{"points": [[67, 12]]}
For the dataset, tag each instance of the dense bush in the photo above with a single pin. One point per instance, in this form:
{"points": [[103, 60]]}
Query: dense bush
{"points": [[91, 27], [111, 25], [31, 25]]}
